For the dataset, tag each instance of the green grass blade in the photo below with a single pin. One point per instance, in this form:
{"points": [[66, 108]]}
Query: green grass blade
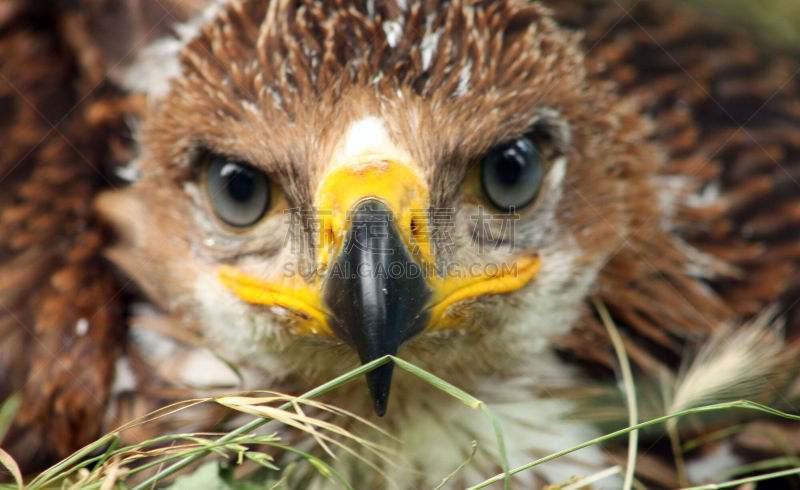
{"points": [[742, 481], [8, 410], [318, 464], [54, 472], [763, 465], [87, 462], [746, 404], [467, 399], [439, 383]]}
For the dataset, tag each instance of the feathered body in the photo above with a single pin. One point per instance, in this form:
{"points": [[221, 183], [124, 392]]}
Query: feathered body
{"points": [[671, 194]]}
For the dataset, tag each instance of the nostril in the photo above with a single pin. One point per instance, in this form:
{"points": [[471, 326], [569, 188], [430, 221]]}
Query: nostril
{"points": [[327, 236], [415, 231]]}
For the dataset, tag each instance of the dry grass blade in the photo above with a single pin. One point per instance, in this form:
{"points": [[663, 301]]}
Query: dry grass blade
{"points": [[258, 407], [591, 479], [12, 466], [255, 407], [114, 473], [630, 389], [282, 398], [114, 465], [309, 428], [254, 424], [163, 412]]}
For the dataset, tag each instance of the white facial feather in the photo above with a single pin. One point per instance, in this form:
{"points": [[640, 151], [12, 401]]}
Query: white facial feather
{"points": [[241, 330], [463, 80], [367, 136], [159, 63], [202, 369], [394, 31], [428, 46]]}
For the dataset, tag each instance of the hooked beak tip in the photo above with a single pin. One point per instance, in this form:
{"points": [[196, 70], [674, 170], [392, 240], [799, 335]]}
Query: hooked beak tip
{"points": [[379, 382]]}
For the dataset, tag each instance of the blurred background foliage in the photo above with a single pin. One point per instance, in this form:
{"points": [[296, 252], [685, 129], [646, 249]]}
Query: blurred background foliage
{"points": [[773, 22]]}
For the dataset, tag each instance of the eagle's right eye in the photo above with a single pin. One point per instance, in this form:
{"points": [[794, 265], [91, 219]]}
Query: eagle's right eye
{"points": [[239, 193]]}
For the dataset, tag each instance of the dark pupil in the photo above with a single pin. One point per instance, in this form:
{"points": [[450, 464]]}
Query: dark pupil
{"points": [[512, 162], [239, 181], [509, 168]]}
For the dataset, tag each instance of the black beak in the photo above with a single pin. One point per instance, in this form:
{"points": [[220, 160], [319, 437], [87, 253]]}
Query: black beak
{"points": [[376, 293]]}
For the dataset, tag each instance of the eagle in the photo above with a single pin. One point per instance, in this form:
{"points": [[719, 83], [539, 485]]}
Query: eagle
{"points": [[208, 196]]}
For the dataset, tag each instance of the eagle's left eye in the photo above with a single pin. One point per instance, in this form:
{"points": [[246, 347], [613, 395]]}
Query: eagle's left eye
{"points": [[511, 174], [239, 192]]}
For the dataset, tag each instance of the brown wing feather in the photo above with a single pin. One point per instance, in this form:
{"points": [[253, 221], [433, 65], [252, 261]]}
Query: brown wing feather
{"points": [[724, 112], [728, 115], [60, 311], [63, 131]]}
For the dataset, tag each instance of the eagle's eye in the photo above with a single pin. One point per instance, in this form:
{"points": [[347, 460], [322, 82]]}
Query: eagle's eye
{"points": [[239, 193], [511, 174]]}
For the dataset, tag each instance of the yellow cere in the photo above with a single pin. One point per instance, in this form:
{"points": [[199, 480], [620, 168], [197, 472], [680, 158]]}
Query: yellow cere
{"points": [[393, 182], [407, 196]]}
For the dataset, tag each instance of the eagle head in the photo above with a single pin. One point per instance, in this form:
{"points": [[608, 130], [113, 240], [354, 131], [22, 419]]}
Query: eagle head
{"points": [[324, 183]]}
